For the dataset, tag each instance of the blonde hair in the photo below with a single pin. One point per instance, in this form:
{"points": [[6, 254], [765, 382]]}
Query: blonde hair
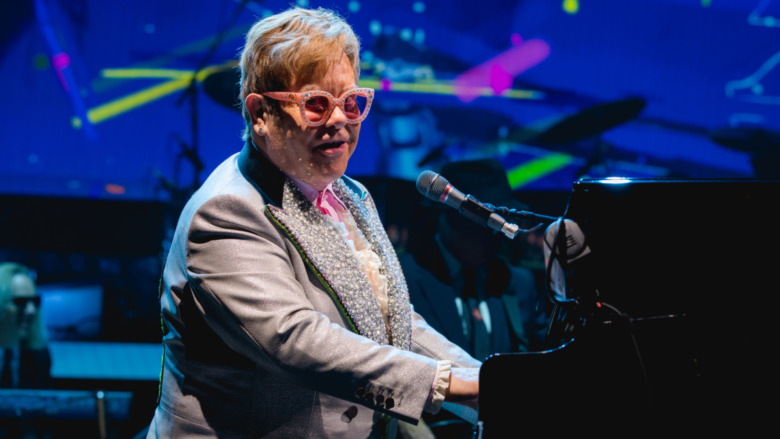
{"points": [[7, 272], [293, 45]]}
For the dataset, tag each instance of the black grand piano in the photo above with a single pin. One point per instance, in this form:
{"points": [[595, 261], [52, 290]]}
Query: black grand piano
{"points": [[667, 327]]}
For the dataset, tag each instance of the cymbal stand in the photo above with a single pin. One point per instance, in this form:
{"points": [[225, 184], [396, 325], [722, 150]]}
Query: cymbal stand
{"points": [[190, 152]]}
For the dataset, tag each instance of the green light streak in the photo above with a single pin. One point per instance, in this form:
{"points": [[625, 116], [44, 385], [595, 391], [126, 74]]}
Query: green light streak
{"points": [[536, 169]]}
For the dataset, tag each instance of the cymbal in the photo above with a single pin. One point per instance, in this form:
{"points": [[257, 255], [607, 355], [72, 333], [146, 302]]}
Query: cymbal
{"points": [[590, 122], [753, 140], [224, 88]]}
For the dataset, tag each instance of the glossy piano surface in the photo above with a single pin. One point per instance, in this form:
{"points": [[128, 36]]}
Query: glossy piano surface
{"points": [[671, 320]]}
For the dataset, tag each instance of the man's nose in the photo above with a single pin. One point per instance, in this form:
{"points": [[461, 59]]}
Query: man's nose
{"points": [[337, 117], [30, 308]]}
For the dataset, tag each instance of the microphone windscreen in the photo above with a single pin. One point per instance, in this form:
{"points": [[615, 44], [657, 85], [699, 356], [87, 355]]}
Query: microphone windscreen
{"points": [[432, 185], [574, 239]]}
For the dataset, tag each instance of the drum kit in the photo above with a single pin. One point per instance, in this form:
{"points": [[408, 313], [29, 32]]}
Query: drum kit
{"points": [[588, 124], [223, 87]]}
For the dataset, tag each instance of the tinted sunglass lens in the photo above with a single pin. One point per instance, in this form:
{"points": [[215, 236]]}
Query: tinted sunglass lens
{"points": [[316, 107], [355, 105], [21, 302]]}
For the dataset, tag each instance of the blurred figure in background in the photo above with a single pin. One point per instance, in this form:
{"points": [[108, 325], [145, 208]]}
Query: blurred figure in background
{"points": [[461, 283], [25, 360]]}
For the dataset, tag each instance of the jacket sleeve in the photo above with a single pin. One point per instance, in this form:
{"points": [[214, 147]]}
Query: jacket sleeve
{"points": [[430, 343]]}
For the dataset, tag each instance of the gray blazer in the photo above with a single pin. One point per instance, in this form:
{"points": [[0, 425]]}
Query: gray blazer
{"points": [[270, 328]]}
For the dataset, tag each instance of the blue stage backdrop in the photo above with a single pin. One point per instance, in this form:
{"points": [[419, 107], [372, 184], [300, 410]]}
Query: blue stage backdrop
{"points": [[132, 99]]}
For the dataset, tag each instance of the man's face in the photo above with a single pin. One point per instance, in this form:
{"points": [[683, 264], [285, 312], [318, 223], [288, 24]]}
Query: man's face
{"points": [[315, 155], [23, 292]]}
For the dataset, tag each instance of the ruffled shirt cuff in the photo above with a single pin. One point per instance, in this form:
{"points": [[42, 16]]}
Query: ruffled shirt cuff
{"points": [[440, 385]]}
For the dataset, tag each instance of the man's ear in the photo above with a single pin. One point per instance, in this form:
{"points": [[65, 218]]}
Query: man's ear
{"points": [[255, 106]]}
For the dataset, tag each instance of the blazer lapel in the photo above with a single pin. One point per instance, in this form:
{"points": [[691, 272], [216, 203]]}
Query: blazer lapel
{"points": [[364, 212], [324, 250], [326, 253]]}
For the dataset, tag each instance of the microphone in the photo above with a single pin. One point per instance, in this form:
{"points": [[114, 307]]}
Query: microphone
{"points": [[564, 244], [435, 187]]}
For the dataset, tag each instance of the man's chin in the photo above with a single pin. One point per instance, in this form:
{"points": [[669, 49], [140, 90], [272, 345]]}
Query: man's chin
{"points": [[322, 181], [329, 173]]}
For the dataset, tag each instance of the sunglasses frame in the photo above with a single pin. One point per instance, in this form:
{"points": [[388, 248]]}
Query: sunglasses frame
{"points": [[302, 97], [21, 302]]}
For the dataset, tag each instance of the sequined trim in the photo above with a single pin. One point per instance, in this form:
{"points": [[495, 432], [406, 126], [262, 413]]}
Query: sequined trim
{"points": [[365, 215], [310, 264], [331, 259]]}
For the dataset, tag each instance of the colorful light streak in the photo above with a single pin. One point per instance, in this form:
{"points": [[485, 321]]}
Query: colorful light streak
{"points": [[753, 85], [447, 88], [757, 17], [115, 189], [178, 80], [60, 61], [156, 64], [498, 72], [536, 169], [571, 6]]}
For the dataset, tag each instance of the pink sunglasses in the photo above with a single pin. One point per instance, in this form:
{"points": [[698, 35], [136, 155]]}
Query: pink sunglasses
{"points": [[317, 106]]}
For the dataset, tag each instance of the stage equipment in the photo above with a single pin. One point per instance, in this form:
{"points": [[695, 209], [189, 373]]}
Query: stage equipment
{"points": [[663, 328], [224, 87], [437, 188], [590, 122], [191, 151], [102, 406], [762, 145], [752, 140]]}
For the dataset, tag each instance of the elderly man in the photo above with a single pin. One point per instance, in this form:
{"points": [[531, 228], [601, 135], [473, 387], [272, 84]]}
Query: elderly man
{"points": [[284, 307]]}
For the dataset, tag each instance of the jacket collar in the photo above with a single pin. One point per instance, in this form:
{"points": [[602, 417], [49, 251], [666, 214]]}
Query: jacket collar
{"points": [[264, 175]]}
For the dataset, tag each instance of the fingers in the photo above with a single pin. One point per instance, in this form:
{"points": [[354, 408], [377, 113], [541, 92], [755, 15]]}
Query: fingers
{"points": [[464, 386]]}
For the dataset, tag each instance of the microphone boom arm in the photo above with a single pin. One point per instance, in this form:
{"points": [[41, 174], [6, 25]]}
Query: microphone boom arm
{"points": [[515, 216], [524, 215]]}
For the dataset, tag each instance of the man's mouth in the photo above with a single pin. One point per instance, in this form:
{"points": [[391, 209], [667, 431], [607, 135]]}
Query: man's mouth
{"points": [[331, 145]]}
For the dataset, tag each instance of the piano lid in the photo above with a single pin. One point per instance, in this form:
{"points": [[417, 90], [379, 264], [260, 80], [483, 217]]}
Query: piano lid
{"points": [[707, 250], [688, 270]]}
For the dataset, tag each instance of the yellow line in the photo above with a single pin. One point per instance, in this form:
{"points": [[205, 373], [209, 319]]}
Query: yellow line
{"points": [[181, 80], [191, 48], [114, 108], [144, 73], [449, 89]]}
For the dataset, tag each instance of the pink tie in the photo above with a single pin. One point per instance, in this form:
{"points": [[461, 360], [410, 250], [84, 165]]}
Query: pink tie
{"points": [[326, 201]]}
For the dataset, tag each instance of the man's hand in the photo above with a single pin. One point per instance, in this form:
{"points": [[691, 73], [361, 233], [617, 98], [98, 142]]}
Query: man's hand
{"points": [[464, 386]]}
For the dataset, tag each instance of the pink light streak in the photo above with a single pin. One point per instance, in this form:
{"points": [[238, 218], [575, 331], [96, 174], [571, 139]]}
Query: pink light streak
{"points": [[498, 72], [60, 62]]}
